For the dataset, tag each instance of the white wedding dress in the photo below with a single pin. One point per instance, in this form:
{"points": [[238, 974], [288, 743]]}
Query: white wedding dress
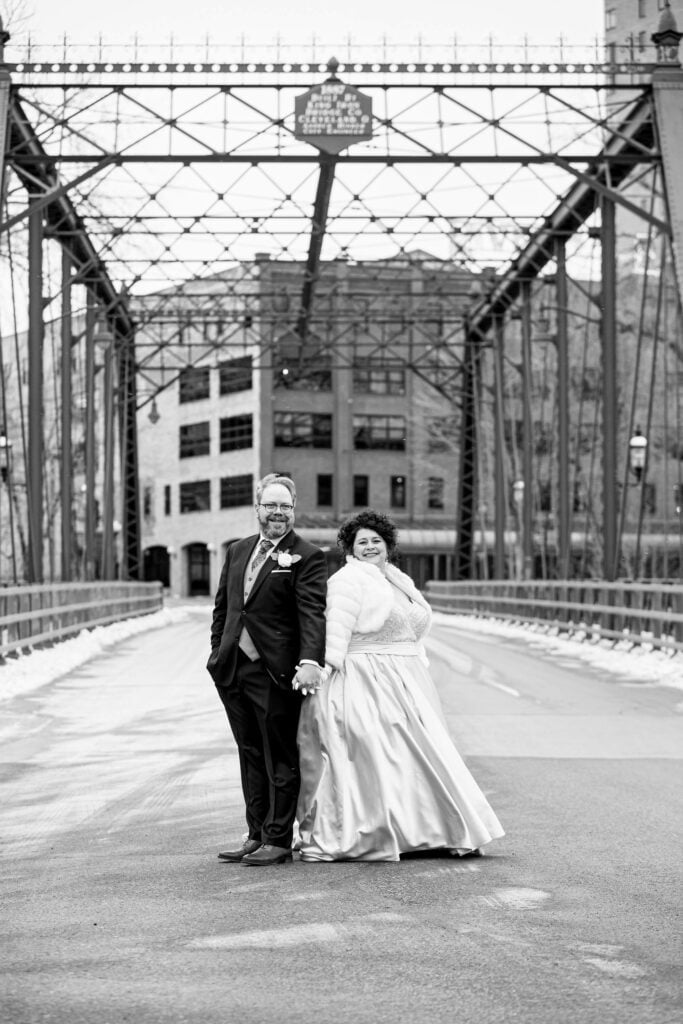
{"points": [[380, 775]]}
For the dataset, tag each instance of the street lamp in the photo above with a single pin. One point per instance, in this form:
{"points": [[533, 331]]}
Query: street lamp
{"points": [[518, 498], [154, 414], [637, 454], [5, 457]]}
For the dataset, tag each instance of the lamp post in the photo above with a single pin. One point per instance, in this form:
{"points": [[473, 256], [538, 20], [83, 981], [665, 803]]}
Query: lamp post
{"points": [[105, 340], [154, 415], [637, 454], [518, 499], [5, 472], [5, 457]]}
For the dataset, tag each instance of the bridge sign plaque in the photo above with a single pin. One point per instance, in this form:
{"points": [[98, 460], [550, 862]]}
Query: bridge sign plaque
{"points": [[332, 116]]}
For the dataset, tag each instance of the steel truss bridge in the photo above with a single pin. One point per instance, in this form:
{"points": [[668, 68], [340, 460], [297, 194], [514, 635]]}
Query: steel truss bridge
{"points": [[551, 188]]}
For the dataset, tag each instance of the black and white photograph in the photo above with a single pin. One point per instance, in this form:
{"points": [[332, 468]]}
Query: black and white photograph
{"points": [[341, 512]]}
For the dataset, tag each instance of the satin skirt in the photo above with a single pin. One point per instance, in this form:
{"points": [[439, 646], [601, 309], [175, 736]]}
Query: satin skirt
{"points": [[380, 775]]}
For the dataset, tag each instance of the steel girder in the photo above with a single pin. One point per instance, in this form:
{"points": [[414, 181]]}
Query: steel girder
{"points": [[225, 135]]}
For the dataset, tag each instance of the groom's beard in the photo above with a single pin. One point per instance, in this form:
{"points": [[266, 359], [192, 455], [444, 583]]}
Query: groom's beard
{"points": [[274, 527]]}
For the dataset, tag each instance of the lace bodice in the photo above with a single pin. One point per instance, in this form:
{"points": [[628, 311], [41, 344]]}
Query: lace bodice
{"points": [[407, 621]]}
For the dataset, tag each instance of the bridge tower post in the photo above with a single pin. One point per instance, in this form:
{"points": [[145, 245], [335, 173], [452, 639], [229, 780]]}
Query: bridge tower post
{"points": [[499, 476], [128, 440], [467, 480], [562, 346], [609, 389], [66, 468], [36, 445], [667, 87]]}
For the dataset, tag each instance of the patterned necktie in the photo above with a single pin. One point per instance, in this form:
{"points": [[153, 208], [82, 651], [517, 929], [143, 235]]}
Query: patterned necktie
{"points": [[263, 549]]}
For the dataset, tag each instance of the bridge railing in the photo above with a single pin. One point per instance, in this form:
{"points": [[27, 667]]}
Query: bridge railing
{"points": [[649, 613], [31, 615]]}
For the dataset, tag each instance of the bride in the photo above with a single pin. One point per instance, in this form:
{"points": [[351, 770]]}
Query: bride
{"points": [[380, 775]]}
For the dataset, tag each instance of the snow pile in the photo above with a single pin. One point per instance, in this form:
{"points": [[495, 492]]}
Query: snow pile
{"points": [[622, 658], [29, 671]]}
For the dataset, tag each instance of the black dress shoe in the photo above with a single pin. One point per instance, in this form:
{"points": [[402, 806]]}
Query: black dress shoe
{"points": [[233, 856], [267, 855]]}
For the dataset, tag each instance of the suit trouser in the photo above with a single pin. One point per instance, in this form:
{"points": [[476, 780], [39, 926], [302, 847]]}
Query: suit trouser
{"points": [[264, 720]]}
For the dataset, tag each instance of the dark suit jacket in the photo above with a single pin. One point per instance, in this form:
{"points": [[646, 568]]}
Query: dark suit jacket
{"points": [[284, 613]]}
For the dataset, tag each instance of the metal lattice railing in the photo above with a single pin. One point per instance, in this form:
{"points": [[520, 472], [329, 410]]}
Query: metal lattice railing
{"points": [[33, 615], [642, 612]]}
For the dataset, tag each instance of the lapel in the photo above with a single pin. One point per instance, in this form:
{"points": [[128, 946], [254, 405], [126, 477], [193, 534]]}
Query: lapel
{"points": [[270, 563]]}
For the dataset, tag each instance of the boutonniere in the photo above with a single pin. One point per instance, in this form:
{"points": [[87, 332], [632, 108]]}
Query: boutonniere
{"points": [[284, 559]]}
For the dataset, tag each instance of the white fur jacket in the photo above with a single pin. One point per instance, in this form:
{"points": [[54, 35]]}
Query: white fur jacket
{"points": [[359, 600]]}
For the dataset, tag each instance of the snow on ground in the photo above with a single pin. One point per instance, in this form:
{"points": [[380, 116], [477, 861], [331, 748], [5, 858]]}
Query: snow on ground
{"points": [[620, 658], [29, 671]]}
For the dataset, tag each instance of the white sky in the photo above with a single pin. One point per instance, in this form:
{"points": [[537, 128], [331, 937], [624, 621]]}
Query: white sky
{"points": [[296, 21]]}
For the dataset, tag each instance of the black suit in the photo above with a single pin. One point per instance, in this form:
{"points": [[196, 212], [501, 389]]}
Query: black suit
{"points": [[284, 615]]}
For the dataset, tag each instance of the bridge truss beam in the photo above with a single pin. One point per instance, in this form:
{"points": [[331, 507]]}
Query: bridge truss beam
{"points": [[155, 178]]}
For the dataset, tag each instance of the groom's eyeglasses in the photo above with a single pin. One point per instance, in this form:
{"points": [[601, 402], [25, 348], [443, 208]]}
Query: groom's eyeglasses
{"points": [[272, 506]]}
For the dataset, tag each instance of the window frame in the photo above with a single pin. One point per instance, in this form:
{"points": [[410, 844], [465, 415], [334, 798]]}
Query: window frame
{"points": [[328, 479], [436, 487], [187, 391], [229, 383], [361, 480], [376, 440], [185, 491], [398, 491], [245, 487], [187, 441], [304, 428], [230, 437]]}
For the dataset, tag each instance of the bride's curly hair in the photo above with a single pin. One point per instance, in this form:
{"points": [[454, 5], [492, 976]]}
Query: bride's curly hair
{"points": [[368, 519]]}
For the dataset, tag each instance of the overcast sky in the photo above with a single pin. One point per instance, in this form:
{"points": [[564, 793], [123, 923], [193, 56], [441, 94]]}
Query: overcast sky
{"points": [[401, 21]]}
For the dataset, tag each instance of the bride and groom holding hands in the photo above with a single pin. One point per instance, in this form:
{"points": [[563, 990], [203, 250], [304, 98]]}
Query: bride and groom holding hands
{"points": [[327, 691]]}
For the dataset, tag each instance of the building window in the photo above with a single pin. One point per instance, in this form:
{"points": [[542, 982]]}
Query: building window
{"points": [[167, 500], [306, 367], [379, 432], [441, 434], [237, 432], [543, 438], [580, 500], [642, 8], [587, 382], [235, 375], [379, 380], [361, 490], [194, 439], [435, 489], [237, 490], [545, 497], [147, 502], [194, 383], [642, 41], [398, 492], [678, 499], [324, 489], [611, 18], [302, 430], [650, 498], [513, 433], [195, 496]]}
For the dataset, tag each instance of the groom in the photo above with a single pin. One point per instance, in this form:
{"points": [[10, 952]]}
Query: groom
{"points": [[267, 643]]}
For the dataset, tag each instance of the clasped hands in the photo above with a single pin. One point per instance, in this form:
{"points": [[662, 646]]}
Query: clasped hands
{"points": [[307, 679]]}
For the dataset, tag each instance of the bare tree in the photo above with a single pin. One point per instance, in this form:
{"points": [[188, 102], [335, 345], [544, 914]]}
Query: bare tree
{"points": [[15, 14]]}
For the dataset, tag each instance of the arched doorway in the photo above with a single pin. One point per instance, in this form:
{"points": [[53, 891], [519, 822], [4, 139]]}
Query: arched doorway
{"points": [[198, 570], [156, 565]]}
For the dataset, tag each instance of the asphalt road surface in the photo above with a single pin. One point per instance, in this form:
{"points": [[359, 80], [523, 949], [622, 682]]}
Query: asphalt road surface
{"points": [[121, 783]]}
